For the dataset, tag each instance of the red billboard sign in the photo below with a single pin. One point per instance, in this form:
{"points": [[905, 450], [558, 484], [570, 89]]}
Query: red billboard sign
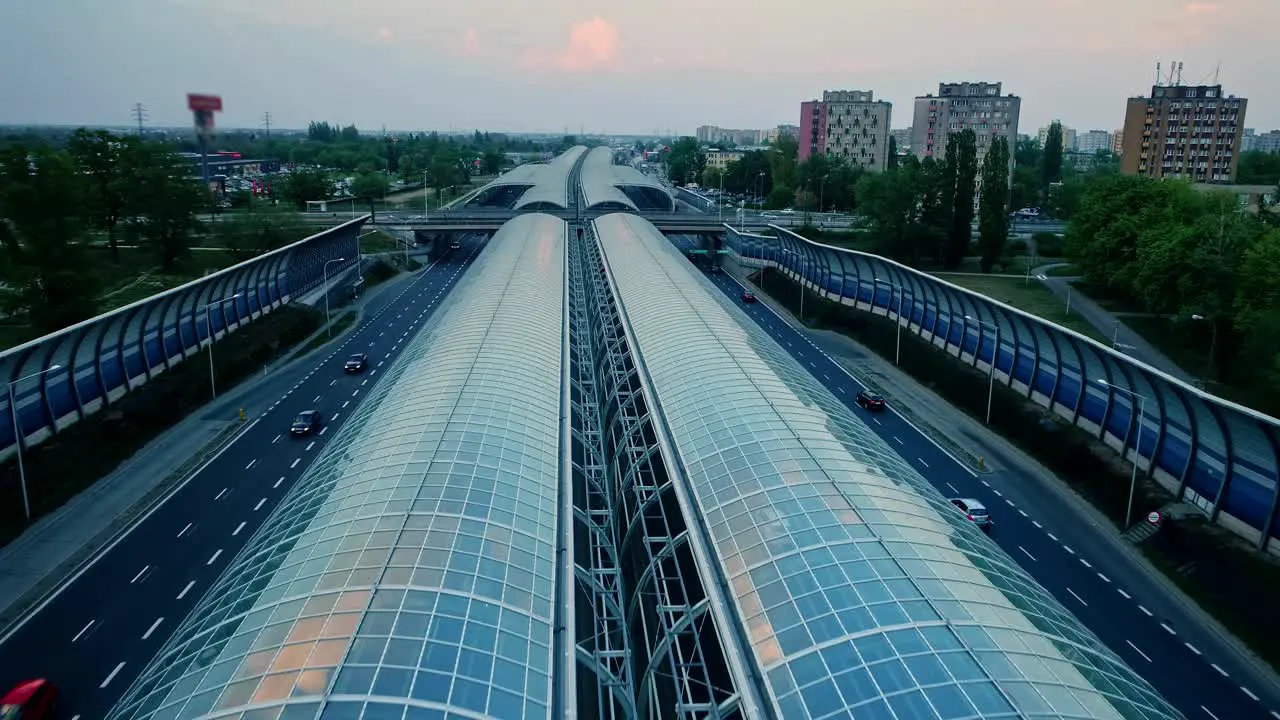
{"points": [[209, 103]]}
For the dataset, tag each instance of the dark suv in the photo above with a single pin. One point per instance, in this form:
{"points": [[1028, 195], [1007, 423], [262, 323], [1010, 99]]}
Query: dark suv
{"points": [[356, 363], [871, 401], [307, 422], [748, 297]]}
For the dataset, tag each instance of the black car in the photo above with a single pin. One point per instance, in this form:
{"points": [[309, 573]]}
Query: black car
{"points": [[455, 245], [356, 363], [748, 297], [870, 401], [307, 422]]}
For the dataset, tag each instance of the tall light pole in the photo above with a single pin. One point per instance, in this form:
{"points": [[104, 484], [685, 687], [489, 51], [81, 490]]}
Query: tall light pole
{"points": [[18, 437], [995, 353], [326, 292], [720, 199], [1137, 444], [208, 323], [897, 351], [426, 198]]}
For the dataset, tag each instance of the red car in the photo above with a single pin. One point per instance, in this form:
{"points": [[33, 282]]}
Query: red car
{"points": [[29, 700], [748, 297]]}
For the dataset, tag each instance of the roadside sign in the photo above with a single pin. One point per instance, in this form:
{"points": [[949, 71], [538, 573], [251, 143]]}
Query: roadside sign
{"points": [[1154, 517], [209, 103]]}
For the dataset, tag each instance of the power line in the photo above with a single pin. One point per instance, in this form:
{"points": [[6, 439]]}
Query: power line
{"points": [[139, 115]]}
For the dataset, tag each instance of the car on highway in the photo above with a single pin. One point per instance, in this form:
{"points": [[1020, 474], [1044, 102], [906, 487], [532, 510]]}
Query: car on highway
{"points": [[29, 700], [306, 423], [975, 511], [871, 401], [748, 296], [356, 363], [455, 245]]}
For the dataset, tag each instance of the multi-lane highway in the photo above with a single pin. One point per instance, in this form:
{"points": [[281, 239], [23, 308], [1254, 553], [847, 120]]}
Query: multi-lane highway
{"points": [[101, 628], [1132, 615]]}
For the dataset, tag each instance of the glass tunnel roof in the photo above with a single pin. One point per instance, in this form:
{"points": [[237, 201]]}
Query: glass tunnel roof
{"points": [[863, 592], [410, 571]]}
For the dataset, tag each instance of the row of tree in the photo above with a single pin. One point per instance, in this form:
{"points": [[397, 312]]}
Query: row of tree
{"points": [[1196, 255]]}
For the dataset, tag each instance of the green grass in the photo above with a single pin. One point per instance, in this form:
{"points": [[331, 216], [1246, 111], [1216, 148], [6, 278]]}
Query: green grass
{"points": [[1067, 270], [1032, 298], [340, 325], [1108, 299], [379, 241]]}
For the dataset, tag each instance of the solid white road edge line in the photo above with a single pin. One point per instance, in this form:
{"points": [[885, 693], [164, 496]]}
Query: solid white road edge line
{"points": [[119, 538]]}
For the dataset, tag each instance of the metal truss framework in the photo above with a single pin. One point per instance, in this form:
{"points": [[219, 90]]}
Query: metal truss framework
{"points": [[1220, 456], [652, 635], [101, 359]]}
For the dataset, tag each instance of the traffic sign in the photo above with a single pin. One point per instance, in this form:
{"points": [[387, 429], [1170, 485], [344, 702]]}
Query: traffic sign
{"points": [[1154, 517]]}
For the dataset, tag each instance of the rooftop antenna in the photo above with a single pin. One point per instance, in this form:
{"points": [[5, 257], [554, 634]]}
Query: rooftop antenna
{"points": [[1179, 73], [1216, 68], [1159, 77]]}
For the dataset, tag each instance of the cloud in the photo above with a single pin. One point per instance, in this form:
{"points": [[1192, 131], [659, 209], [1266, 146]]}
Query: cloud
{"points": [[471, 44], [1199, 8], [384, 34], [593, 45]]}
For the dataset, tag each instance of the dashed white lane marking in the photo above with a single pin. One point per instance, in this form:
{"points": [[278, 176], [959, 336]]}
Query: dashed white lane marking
{"points": [[1168, 629], [1021, 512], [355, 392], [1104, 578], [1024, 552], [1126, 595], [273, 442], [1085, 563], [220, 494], [985, 483], [215, 556], [1052, 537], [1221, 672], [323, 429], [335, 417], [1068, 549], [251, 463], [1206, 711], [332, 383], [237, 530], [1193, 648], [1248, 692], [111, 677], [277, 483], [364, 382], [140, 572], [1135, 649], [954, 491], [310, 445], [922, 462], [998, 493], [1144, 610], [152, 629], [345, 403], [258, 507], [184, 530], [83, 630], [316, 400], [898, 440], [878, 422], [1074, 595], [1037, 524]]}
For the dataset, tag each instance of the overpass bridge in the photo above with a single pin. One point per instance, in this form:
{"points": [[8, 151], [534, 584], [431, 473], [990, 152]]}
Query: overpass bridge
{"points": [[470, 220]]}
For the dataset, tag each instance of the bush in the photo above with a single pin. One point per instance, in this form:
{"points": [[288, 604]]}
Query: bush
{"points": [[64, 465], [1015, 247], [1049, 245]]}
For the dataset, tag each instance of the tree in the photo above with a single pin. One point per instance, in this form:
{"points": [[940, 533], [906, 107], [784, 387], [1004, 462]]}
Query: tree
{"points": [[165, 201], [960, 233], [103, 159], [685, 161], [993, 219], [251, 234], [891, 161], [370, 186], [711, 177], [750, 174], [47, 273], [1051, 171], [491, 161], [1258, 168], [306, 184], [889, 201]]}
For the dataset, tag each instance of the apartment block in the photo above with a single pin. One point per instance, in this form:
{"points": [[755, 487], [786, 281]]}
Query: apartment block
{"points": [[712, 134], [1184, 131], [1093, 141], [1117, 142], [1267, 142], [976, 106], [1068, 138], [848, 124], [901, 138]]}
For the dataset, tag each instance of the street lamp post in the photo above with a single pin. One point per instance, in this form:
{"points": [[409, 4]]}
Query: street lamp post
{"points": [[326, 292], [208, 323], [897, 351], [720, 200], [1137, 444], [18, 437], [426, 198], [995, 353]]}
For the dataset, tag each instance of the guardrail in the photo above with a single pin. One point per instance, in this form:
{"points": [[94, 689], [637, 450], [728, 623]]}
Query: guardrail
{"points": [[107, 356], [1220, 456]]}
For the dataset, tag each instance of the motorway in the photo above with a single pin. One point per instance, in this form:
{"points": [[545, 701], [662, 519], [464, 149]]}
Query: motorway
{"points": [[100, 629], [1188, 666]]}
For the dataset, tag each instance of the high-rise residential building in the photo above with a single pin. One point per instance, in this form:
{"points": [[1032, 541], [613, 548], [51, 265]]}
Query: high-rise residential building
{"points": [[848, 124], [1068, 137], [1184, 131], [1252, 141], [1093, 141], [790, 130], [901, 138], [712, 135], [976, 106], [1117, 142]]}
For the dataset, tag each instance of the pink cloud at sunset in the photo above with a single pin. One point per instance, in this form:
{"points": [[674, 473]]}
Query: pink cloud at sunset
{"points": [[593, 45], [471, 44], [1200, 8]]}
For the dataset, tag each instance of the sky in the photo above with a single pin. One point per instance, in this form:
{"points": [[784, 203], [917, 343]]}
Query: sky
{"points": [[611, 66]]}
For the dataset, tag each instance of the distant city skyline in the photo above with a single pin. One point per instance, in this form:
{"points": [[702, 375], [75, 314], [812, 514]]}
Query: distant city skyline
{"points": [[612, 69]]}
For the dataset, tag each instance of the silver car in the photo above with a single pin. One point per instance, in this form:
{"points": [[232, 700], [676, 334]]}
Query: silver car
{"points": [[975, 511]]}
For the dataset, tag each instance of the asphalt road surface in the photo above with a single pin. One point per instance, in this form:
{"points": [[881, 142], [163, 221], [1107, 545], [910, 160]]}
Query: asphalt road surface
{"points": [[1187, 665], [100, 630]]}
